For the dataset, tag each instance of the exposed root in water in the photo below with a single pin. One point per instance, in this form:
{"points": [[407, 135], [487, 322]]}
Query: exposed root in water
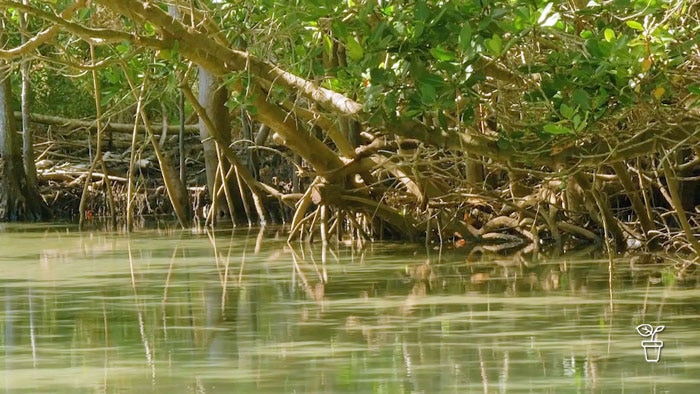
{"points": [[400, 189]]}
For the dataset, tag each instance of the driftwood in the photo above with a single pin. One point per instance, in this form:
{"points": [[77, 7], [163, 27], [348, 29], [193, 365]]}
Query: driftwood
{"points": [[72, 175], [91, 125]]}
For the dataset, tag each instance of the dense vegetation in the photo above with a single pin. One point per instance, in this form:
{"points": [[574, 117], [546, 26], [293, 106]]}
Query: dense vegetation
{"points": [[521, 123]]}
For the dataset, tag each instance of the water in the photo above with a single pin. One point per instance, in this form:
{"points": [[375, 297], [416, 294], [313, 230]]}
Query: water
{"points": [[174, 312]]}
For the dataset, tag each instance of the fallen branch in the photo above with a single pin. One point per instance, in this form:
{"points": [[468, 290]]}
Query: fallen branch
{"points": [[92, 126], [62, 175]]}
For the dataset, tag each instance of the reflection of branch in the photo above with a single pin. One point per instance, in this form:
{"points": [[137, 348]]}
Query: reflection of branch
{"points": [[142, 329], [224, 285], [298, 270], [32, 333], [506, 369], [482, 370], [259, 239], [212, 240], [313, 262]]}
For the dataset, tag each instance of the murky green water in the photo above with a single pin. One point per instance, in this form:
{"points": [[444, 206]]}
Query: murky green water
{"points": [[174, 312]]}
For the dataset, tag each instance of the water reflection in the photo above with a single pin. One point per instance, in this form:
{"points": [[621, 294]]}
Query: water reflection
{"points": [[165, 310]]}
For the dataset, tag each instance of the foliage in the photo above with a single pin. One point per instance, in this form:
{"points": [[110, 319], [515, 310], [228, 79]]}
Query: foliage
{"points": [[544, 92], [548, 71], [545, 74]]}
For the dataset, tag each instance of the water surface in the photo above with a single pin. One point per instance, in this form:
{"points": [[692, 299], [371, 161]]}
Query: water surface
{"points": [[166, 311]]}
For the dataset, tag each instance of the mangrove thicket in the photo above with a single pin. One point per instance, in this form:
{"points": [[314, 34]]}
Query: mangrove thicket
{"points": [[518, 123]]}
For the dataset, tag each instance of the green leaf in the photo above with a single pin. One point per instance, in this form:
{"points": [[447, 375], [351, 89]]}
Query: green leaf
{"points": [[586, 34], [252, 110], [164, 54], [555, 129], [149, 28], [327, 45], [442, 119], [84, 14], [503, 144], [422, 13], [465, 37], [600, 99], [355, 51], [581, 99], [339, 29], [522, 18], [566, 111], [694, 89], [427, 94], [468, 114], [580, 124], [378, 76], [494, 45], [411, 113], [428, 78], [609, 35], [418, 29], [390, 104], [123, 47], [635, 25], [442, 54]]}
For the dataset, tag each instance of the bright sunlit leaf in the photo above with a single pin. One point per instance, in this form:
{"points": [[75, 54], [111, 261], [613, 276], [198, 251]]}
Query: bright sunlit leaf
{"points": [[355, 51], [635, 25], [555, 129], [442, 54], [494, 45], [609, 35]]}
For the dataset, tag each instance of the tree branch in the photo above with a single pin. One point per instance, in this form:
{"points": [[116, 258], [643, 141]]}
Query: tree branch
{"points": [[33, 43], [96, 36], [199, 48]]}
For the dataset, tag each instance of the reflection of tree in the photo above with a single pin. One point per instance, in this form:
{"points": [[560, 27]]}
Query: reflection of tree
{"points": [[198, 311]]}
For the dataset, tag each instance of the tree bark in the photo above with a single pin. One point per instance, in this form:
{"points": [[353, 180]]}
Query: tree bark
{"points": [[27, 137], [599, 209], [212, 97], [17, 202], [633, 194]]}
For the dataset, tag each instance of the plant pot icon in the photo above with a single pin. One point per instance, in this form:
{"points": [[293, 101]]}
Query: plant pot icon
{"points": [[652, 350], [652, 347]]}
